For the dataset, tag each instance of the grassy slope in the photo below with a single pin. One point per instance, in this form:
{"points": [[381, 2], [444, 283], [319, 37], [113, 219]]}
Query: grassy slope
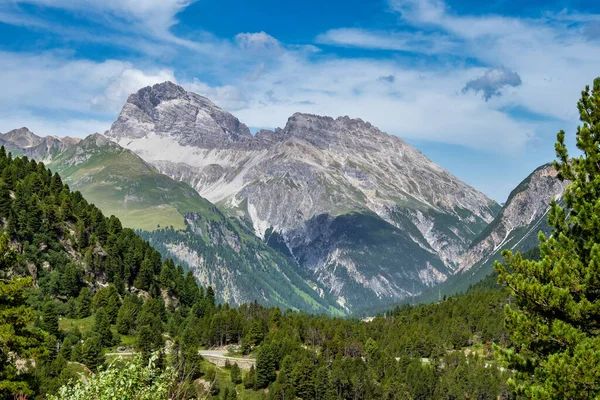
{"points": [[121, 183]]}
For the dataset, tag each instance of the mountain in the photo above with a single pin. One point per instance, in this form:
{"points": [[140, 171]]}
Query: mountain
{"points": [[361, 212], [515, 228], [220, 251], [24, 142]]}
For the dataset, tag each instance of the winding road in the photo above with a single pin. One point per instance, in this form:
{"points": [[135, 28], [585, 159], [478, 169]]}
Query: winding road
{"points": [[218, 357]]}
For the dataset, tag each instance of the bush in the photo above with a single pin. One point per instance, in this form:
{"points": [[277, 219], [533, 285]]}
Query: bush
{"points": [[131, 380]]}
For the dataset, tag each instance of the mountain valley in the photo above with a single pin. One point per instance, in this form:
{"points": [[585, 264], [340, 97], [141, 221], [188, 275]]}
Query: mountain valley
{"points": [[327, 215]]}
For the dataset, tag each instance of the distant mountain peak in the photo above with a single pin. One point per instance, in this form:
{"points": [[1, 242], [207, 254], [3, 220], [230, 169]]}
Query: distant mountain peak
{"points": [[23, 137], [522, 216]]}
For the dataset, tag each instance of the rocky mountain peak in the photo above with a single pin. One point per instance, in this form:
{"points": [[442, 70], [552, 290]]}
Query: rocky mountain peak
{"points": [[148, 98], [168, 110], [343, 132], [97, 140], [22, 137]]}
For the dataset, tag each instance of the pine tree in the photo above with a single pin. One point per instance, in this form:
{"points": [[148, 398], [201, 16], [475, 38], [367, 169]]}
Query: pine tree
{"points": [[302, 378], [323, 387], [56, 184], [84, 303], [82, 235], [14, 318], [145, 342], [71, 280], [146, 276], [266, 364], [72, 308], [50, 318], [77, 352], [92, 354], [555, 320], [125, 319], [236, 374], [102, 328], [229, 393], [66, 348], [250, 379], [5, 200]]}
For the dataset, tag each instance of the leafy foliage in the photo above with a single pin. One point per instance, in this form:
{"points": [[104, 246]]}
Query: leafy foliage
{"points": [[131, 380]]}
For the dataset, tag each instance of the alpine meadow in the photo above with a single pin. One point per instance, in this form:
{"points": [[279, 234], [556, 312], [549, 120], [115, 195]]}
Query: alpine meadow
{"points": [[339, 200]]}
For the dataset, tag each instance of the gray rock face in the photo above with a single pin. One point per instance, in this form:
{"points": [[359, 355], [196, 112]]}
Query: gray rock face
{"points": [[25, 142], [282, 180], [518, 223], [167, 109]]}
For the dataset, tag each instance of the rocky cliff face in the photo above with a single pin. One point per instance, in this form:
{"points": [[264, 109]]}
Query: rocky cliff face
{"points": [[314, 187], [517, 225], [515, 228]]}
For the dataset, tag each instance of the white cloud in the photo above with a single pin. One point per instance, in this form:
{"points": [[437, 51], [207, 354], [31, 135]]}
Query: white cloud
{"points": [[399, 41], [228, 97], [421, 104], [129, 81], [150, 17], [62, 96], [427, 11], [552, 54], [265, 81], [57, 82], [259, 41], [160, 13], [51, 126]]}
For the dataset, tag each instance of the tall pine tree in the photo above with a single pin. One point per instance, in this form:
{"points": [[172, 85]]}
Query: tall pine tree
{"points": [[15, 315], [555, 320]]}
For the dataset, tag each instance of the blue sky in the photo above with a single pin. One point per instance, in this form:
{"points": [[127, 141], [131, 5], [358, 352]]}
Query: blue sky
{"points": [[480, 87]]}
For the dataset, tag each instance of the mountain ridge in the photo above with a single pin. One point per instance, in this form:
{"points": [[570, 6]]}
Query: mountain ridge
{"points": [[284, 180]]}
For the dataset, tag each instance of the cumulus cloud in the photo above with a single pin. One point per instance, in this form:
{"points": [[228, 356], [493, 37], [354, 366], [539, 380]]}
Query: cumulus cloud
{"points": [[350, 87], [421, 10], [62, 96], [130, 80], [228, 97], [259, 41], [492, 82], [42, 126], [266, 81]]}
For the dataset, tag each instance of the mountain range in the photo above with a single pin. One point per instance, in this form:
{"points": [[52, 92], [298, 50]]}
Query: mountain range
{"points": [[326, 215]]}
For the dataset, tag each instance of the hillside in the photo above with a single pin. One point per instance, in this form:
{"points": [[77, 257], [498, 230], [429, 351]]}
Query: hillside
{"points": [[59, 255], [122, 184], [220, 251], [78, 289]]}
